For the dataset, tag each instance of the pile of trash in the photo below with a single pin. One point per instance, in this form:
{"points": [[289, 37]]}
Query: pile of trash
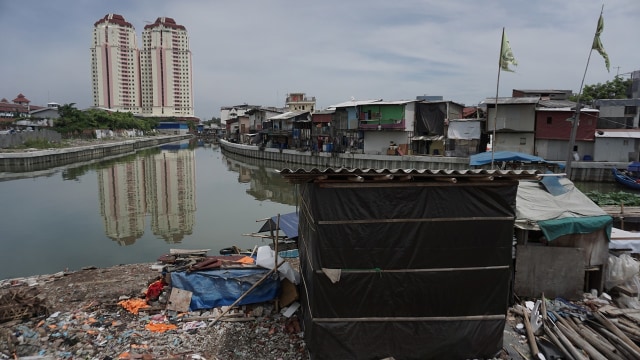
{"points": [[127, 312]]}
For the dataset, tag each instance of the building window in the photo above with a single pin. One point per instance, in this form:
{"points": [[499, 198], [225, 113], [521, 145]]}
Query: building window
{"points": [[630, 110], [523, 141], [549, 120]]}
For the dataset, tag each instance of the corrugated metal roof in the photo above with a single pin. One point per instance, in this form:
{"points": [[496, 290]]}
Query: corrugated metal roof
{"points": [[324, 112], [404, 175], [547, 103], [287, 115], [354, 103], [584, 110], [618, 133], [511, 100], [616, 102], [394, 102]]}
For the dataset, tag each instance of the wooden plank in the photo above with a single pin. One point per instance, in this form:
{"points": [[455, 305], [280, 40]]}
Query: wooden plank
{"points": [[179, 300], [554, 271], [626, 290]]}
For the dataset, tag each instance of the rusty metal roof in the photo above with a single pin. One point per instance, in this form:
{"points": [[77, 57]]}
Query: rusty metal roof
{"points": [[404, 175]]}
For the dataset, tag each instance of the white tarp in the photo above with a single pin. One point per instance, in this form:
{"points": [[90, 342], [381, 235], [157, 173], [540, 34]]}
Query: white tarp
{"points": [[464, 130], [625, 240], [534, 203]]}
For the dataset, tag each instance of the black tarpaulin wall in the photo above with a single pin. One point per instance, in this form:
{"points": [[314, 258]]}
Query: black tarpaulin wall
{"points": [[424, 270], [430, 118]]}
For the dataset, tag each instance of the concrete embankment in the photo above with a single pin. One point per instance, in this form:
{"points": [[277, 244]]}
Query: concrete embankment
{"points": [[44, 159], [581, 170]]}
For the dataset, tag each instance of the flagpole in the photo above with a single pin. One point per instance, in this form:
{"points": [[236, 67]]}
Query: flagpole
{"points": [[576, 116], [495, 116]]}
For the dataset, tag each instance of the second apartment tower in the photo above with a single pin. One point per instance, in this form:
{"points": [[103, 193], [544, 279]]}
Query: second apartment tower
{"points": [[153, 81]]}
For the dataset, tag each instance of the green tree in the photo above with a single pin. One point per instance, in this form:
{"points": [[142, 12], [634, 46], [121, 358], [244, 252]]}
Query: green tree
{"points": [[73, 121], [614, 89]]}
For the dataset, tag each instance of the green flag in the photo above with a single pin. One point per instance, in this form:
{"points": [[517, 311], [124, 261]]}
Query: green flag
{"points": [[506, 57], [597, 44]]}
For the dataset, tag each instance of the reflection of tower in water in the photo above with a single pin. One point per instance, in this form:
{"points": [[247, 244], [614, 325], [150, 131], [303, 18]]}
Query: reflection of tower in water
{"points": [[171, 194], [161, 184], [122, 200]]}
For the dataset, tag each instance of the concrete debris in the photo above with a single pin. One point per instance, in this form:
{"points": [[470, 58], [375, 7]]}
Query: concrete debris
{"points": [[83, 320]]}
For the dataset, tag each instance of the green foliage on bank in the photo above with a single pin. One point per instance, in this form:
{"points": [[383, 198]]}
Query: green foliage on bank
{"points": [[614, 89], [614, 198], [73, 121]]}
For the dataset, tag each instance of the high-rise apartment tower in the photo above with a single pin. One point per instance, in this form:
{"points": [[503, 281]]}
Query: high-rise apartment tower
{"points": [[165, 63], [155, 80], [115, 70]]}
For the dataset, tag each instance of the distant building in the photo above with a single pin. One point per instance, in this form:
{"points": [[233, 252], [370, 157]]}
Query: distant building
{"points": [[166, 69], [429, 98], [20, 107], [548, 94], [115, 73], [153, 81], [300, 102]]}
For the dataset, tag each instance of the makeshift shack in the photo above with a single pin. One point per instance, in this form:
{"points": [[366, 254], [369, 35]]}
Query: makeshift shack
{"points": [[562, 240], [405, 263]]}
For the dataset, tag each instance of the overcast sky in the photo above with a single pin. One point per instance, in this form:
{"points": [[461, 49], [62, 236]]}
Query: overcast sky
{"points": [[257, 51]]}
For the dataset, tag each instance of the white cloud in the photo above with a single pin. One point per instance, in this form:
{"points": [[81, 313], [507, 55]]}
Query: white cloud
{"points": [[258, 51]]}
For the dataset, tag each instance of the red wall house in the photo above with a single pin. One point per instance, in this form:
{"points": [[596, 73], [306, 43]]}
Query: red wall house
{"points": [[552, 124], [553, 132]]}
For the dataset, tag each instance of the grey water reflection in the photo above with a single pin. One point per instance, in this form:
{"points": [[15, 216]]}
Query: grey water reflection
{"points": [[184, 195], [265, 183], [162, 185]]}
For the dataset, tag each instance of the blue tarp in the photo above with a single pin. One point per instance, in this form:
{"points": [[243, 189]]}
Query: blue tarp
{"points": [[214, 288], [485, 157], [288, 224]]}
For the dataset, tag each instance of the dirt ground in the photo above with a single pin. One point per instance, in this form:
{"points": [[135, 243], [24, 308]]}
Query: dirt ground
{"points": [[85, 304]]}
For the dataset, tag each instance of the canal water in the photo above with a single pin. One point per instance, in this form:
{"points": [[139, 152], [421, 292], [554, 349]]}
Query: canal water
{"points": [[134, 209]]}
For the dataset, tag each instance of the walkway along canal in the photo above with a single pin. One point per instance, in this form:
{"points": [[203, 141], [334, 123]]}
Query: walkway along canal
{"points": [[581, 170], [44, 159]]}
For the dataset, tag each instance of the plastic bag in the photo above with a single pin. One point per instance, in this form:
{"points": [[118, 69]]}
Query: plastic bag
{"points": [[265, 259], [621, 270]]}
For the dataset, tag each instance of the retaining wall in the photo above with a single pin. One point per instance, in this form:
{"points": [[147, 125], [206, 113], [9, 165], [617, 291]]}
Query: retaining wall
{"points": [[44, 159], [293, 159]]}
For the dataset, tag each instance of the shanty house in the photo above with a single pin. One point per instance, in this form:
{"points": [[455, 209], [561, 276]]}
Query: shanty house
{"points": [[512, 120], [405, 263], [562, 240]]}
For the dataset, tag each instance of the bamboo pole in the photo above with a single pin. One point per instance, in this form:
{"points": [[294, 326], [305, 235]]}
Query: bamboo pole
{"points": [[623, 346], [577, 355], [582, 343], [275, 257], [603, 346], [554, 339], [532, 339], [614, 329]]}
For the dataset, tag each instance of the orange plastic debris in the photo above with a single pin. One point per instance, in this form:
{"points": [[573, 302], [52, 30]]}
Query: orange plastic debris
{"points": [[159, 327], [134, 305], [246, 260], [124, 355]]}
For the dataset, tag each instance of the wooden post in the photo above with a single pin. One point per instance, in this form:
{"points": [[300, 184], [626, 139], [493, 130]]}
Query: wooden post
{"points": [[532, 339]]}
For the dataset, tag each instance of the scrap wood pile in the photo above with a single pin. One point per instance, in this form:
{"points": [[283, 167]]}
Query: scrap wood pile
{"points": [[596, 327], [20, 303], [593, 328]]}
